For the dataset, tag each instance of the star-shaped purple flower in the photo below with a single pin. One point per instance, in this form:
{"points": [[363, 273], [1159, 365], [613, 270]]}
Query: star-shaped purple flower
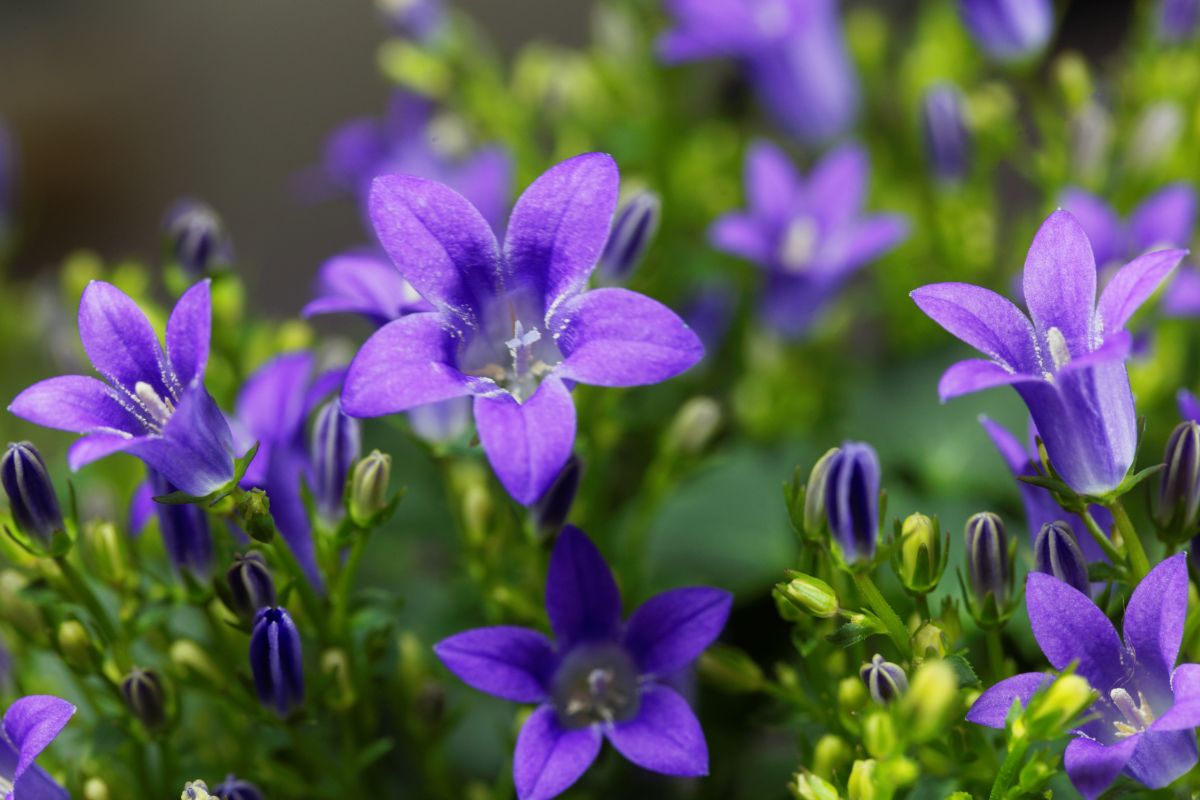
{"points": [[600, 678], [1166, 218], [152, 403], [1068, 364], [793, 51], [810, 235], [30, 725], [363, 282], [1148, 707], [514, 328]]}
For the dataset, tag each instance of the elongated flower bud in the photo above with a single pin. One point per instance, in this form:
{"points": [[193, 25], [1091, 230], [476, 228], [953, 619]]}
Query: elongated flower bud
{"points": [[276, 661], [852, 500], [809, 594], [335, 447], [944, 130], [1057, 553], [1177, 504], [1178, 19], [234, 788], [250, 585], [196, 238], [632, 232], [885, 681], [106, 550], [369, 487], [145, 697], [921, 554], [1009, 30], [815, 521], [31, 496], [185, 532], [989, 564], [551, 510]]}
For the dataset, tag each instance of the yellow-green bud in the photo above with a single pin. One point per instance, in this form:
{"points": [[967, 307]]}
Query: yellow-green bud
{"points": [[76, 645], [694, 426], [1052, 711], [931, 698], [95, 789], [921, 554], [106, 551], [17, 609], [861, 785], [369, 482], [815, 519], [254, 511], [831, 755], [196, 790], [731, 669], [807, 786], [879, 734], [929, 642], [809, 594], [190, 660], [852, 695], [335, 667]]}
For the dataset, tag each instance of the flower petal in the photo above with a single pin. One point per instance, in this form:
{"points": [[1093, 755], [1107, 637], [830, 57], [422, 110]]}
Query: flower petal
{"points": [[672, 629], [991, 709], [1093, 766], [1132, 285], [119, 340], [549, 758], [975, 375], [1189, 406], [560, 224], [582, 598], [1011, 449], [838, 185], [36, 784], [98, 445], [508, 662], [1165, 219], [365, 284], [772, 184], [665, 736], [486, 179], [438, 241], [983, 319], [615, 337], [189, 329], [404, 364], [271, 402], [1184, 713], [1161, 757], [1068, 626], [1182, 296], [856, 244], [75, 403], [141, 508], [195, 450], [526, 443], [286, 467], [31, 724], [1155, 616], [1104, 228], [740, 235], [1060, 281]]}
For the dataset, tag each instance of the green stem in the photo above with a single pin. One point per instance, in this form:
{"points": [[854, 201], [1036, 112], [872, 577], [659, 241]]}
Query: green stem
{"points": [[1138, 563], [345, 580], [923, 607], [312, 603], [995, 652], [1100, 536], [1009, 769], [883, 610]]}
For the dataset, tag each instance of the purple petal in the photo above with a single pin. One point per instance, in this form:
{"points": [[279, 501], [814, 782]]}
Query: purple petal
{"points": [[1132, 285], [1011, 450], [1113, 351], [1184, 713], [1094, 766], [708, 29], [405, 364], [98, 445], [195, 450], [324, 385], [582, 599], [991, 709], [560, 224], [1060, 281], [286, 466], [1104, 228], [1155, 616], [119, 340], [486, 179], [35, 784], [741, 235], [549, 758], [188, 331], [508, 662], [443, 421], [1068, 626], [838, 185], [1189, 406], [983, 319], [615, 337], [526, 443], [974, 375], [772, 184], [792, 304], [1165, 219], [365, 284], [665, 736], [438, 241], [141, 507], [31, 724], [1182, 297], [863, 241], [1161, 757], [670, 630], [75, 403], [271, 402]]}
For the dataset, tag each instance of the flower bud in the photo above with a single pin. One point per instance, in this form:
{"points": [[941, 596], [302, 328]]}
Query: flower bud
{"points": [[1057, 553], [1055, 710], [632, 232], [106, 550], [233, 788], [809, 594], [335, 669], [944, 130], [730, 668], [1009, 30], [145, 698], [31, 496], [852, 696], [196, 790], [189, 660], [861, 785], [196, 238], [17, 609], [276, 661], [76, 645], [879, 734], [921, 555], [886, 681], [254, 513], [185, 531], [335, 447], [694, 426], [553, 507], [250, 585], [830, 755], [807, 786], [930, 699], [990, 558], [815, 521], [96, 789], [929, 642], [1177, 503], [369, 482], [852, 500]]}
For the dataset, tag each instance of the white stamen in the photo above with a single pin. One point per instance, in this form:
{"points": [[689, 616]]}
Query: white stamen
{"points": [[522, 338], [1138, 714], [799, 244], [158, 408], [1060, 354]]}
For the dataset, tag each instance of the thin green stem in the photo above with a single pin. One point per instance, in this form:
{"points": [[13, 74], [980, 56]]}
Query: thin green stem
{"points": [[879, 604], [1138, 563], [312, 603], [995, 652], [1009, 769], [923, 607], [1101, 537]]}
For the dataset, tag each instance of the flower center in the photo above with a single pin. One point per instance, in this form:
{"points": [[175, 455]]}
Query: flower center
{"points": [[596, 683], [1138, 714], [799, 244], [158, 408]]}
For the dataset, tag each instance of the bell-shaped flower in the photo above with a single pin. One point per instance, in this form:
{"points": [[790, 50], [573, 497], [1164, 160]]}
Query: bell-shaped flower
{"points": [[30, 725]]}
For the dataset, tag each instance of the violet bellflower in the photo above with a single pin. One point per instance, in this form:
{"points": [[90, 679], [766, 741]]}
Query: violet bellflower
{"points": [[809, 235], [276, 661], [1068, 364], [1009, 30], [514, 327], [152, 403], [420, 20], [234, 788], [1165, 219], [334, 447], [1143, 723], [30, 724], [793, 52], [600, 678]]}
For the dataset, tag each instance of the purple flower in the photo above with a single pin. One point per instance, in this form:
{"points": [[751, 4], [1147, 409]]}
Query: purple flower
{"points": [[1068, 364], [601, 678], [852, 500], [944, 130], [364, 283], [1143, 722], [709, 311], [185, 532], [1189, 406], [514, 328], [793, 51], [276, 660], [30, 724], [1009, 30], [415, 19], [1164, 219], [32, 501], [335, 446], [809, 235], [151, 404], [1178, 19], [272, 408]]}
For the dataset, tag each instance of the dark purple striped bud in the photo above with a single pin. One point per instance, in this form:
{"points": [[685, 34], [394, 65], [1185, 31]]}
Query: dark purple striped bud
{"points": [[1177, 503], [632, 232], [335, 446], [233, 788], [1178, 19], [31, 496], [196, 238], [989, 563], [852, 500], [185, 532], [944, 130], [250, 585], [1056, 552], [885, 681], [276, 661], [145, 697], [551, 510]]}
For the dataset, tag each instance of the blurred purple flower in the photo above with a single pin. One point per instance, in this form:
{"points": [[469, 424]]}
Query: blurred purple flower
{"points": [[1068, 365], [1009, 30], [366, 283], [599, 679], [1178, 19], [1164, 219], [234, 788], [196, 237], [512, 328], [1189, 406], [809, 235], [944, 130], [420, 20], [793, 51], [151, 404], [30, 724], [1143, 724], [709, 311]]}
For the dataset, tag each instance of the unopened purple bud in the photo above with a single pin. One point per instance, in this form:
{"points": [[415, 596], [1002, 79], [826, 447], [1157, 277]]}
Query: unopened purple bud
{"points": [[886, 681], [251, 587], [632, 232], [944, 128], [276, 661], [550, 512], [1177, 503], [989, 560], [196, 238], [1178, 19], [1009, 30], [336, 445], [1056, 552], [31, 496], [234, 788], [145, 697], [852, 500], [185, 532]]}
